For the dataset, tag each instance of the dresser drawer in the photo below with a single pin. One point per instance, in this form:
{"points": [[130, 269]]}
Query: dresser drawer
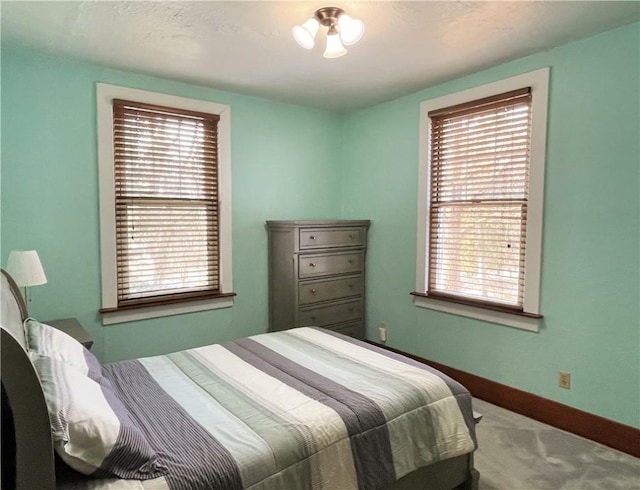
{"points": [[355, 330], [327, 315], [328, 264], [316, 291], [331, 237]]}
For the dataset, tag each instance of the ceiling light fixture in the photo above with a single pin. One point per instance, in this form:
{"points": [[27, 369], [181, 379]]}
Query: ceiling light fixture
{"points": [[343, 30]]}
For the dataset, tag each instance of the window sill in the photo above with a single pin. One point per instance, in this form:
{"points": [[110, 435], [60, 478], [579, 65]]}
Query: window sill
{"points": [[502, 318], [157, 311]]}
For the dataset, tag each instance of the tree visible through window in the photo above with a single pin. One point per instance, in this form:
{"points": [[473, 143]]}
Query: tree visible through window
{"points": [[478, 197], [166, 199]]}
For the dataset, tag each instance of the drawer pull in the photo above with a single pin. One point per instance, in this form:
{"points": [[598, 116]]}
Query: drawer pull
{"points": [[350, 286], [351, 261], [313, 290], [312, 264], [313, 318], [351, 236], [312, 237]]}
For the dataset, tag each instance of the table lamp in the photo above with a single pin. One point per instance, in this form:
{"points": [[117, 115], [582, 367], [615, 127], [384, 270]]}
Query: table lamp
{"points": [[26, 269]]}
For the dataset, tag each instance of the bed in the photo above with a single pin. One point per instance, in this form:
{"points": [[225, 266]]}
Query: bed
{"points": [[296, 409]]}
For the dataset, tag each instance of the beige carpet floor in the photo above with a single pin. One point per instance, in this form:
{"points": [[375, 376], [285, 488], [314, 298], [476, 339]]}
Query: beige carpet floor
{"points": [[518, 453]]}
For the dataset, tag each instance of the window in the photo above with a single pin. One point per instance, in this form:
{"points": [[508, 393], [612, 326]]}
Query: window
{"points": [[481, 201], [479, 173], [164, 203]]}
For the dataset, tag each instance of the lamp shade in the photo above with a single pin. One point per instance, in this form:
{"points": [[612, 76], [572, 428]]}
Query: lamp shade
{"points": [[334, 49], [305, 33], [25, 268], [351, 30]]}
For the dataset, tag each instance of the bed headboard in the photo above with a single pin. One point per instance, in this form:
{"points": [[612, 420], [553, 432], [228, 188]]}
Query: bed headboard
{"points": [[13, 310], [34, 461]]}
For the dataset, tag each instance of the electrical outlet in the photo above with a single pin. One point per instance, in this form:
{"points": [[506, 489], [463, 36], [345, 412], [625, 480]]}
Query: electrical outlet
{"points": [[382, 330], [564, 380]]}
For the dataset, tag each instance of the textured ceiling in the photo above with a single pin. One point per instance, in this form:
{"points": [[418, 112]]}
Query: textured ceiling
{"points": [[246, 47]]}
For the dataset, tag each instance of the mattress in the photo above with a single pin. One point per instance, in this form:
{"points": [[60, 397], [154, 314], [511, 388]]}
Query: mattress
{"points": [[302, 408]]}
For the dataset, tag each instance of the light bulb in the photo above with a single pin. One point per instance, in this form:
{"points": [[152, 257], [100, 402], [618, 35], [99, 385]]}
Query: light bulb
{"points": [[334, 49], [305, 33], [351, 30]]}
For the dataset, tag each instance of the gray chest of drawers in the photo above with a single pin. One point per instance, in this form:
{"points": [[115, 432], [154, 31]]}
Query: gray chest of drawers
{"points": [[316, 274]]}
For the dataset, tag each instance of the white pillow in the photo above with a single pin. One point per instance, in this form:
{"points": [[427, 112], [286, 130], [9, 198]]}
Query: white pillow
{"points": [[92, 430], [48, 341]]}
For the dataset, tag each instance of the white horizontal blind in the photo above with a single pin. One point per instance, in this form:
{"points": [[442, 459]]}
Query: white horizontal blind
{"points": [[479, 179], [166, 188]]}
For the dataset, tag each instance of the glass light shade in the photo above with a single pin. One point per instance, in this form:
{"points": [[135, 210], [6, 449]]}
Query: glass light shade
{"points": [[334, 49], [351, 30], [305, 33], [25, 268]]}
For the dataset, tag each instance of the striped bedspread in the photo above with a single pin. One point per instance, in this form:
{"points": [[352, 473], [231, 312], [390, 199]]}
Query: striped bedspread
{"points": [[299, 409]]}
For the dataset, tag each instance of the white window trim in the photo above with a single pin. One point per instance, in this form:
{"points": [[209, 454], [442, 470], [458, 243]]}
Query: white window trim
{"points": [[539, 82], [104, 97]]}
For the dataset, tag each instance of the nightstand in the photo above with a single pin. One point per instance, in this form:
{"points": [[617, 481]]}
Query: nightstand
{"points": [[72, 327]]}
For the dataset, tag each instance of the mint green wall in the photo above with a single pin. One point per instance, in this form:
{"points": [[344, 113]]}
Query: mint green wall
{"points": [[50, 194], [590, 291], [590, 274]]}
